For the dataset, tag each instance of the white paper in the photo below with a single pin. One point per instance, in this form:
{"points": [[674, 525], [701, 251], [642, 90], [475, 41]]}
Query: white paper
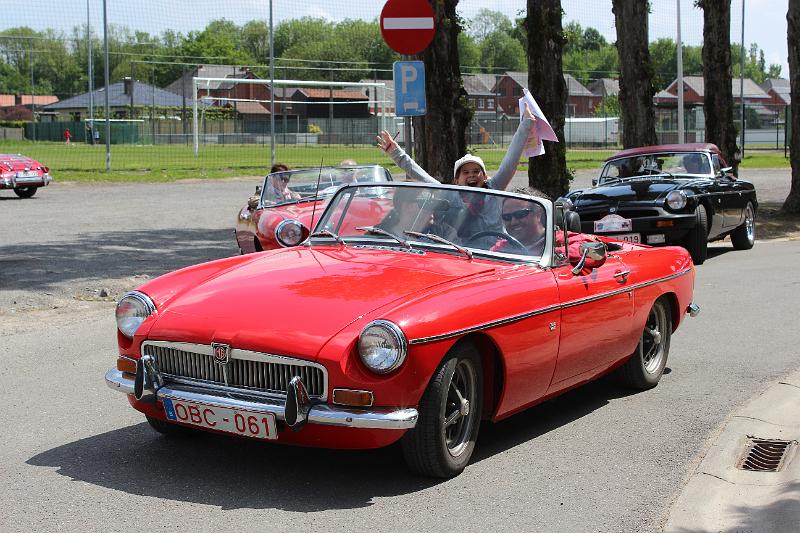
{"points": [[544, 132]]}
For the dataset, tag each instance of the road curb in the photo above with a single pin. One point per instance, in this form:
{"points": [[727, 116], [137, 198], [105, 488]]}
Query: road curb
{"points": [[721, 497]]}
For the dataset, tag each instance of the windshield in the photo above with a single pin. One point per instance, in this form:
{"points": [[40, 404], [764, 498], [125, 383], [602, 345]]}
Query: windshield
{"points": [[683, 164], [292, 186], [463, 220]]}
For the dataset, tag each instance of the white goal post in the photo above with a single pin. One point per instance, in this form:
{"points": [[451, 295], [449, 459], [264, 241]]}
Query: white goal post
{"points": [[205, 83]]}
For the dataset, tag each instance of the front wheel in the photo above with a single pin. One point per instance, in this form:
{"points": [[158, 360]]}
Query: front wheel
{"points": [[25, 192], [443, 440], [744, 236], [697, 240], [646, 365]]}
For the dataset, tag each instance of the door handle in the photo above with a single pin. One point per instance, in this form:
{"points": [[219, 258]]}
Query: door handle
{"points": [[622, 275]]}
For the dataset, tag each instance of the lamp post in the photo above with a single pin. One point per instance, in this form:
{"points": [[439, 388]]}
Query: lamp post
{"points": [[681, 137], [106, 77]]}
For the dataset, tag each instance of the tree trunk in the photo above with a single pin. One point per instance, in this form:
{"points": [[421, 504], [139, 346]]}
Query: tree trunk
{"points": [[441, 134], [548, 172], [792, 203], [636, 73], [718, 97]]}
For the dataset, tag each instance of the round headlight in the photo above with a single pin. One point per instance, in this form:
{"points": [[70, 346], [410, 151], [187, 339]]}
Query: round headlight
{"points": [[676, 199], [382, 346], [289, 233], [132, 309]]}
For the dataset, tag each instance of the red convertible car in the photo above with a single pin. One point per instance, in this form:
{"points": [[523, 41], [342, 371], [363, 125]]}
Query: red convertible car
{"points": [[23, 174], [410, 314], [281, 212]]}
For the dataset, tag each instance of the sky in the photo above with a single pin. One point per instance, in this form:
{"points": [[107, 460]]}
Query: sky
{"points": [[765, 20]]}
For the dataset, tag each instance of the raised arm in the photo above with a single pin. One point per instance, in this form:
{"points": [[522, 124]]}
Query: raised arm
{"points": [[402, 159], [508, 167]]}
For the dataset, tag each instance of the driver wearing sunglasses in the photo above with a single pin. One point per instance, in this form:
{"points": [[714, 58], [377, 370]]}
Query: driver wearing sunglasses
{"points": [[524, 220], [278, 189]]}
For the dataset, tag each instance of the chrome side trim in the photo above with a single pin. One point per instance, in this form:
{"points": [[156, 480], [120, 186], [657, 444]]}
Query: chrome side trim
{"points": [[548, 309], [322, 414]]}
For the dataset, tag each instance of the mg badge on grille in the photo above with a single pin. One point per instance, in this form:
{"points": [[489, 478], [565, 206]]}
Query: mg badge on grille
{"points": [[222, 352], [612, 209]]}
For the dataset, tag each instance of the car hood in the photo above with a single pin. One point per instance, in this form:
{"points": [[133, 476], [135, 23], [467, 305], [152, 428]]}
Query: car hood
{"points": [[293, 301], [18, 163], [628, 191]]}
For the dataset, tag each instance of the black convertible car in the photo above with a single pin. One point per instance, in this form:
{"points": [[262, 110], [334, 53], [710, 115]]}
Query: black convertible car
{"points": [[677, 194]]}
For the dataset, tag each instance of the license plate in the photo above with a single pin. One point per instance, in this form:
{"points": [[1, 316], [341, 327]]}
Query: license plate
{"points": [[611, 223], [27, 174], [237, 421], [628, 237]]}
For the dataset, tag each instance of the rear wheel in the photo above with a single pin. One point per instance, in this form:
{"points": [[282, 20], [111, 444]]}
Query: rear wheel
{"points": [[443, 440], [646, 366], [25, 192], [697, 240], [744, 236]]}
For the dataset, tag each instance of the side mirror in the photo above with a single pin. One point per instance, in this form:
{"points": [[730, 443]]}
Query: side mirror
{"points": [[593, 255], [252, 202], [573, 221], [594, 182], [258, 190], [724, 172]]}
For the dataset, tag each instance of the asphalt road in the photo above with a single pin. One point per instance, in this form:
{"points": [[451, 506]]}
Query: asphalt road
{"points": [[75, 456]]}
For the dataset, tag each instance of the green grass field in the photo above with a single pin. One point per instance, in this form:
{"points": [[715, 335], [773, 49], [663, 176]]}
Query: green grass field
{"points": [[80, 162]]}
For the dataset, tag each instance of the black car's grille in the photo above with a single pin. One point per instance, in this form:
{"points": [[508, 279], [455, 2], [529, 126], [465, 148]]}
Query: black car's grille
{"points": [[245, 370], [594, 214]]}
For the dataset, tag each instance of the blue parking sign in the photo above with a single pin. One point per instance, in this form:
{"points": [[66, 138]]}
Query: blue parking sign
{"points": [[409, 89]]}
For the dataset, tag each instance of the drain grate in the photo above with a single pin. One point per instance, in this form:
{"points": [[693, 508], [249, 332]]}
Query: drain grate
{"points": [[764, 455]]}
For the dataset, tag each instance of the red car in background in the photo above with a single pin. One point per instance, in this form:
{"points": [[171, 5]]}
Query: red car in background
{"points": [[23, 174], [280, 214], [399, 319]]}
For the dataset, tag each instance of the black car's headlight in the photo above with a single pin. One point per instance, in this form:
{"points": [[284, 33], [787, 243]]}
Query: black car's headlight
{"points": [[290, 233], [676, 200], [132, 309], [382, 346]]}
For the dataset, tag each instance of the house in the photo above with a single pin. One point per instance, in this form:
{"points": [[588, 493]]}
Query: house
{"points": [[604, 87], [779, 91], [580, 101], [481, 95], [22, 106], [324, 103], [127, 99], [756, 100]]}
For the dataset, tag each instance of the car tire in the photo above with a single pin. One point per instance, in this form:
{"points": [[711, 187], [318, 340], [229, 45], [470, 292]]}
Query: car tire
{"points": [[442, 442], [25, 192], [646, 365], [697, 240], [168, 429], [744, 236]]}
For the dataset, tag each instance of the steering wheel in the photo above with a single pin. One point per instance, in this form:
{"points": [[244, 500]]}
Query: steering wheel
{"points": [[500, 234]]}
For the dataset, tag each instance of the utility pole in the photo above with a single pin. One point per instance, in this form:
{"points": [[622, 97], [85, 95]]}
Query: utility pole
{"points": [[91, 73], [107, 77], [681, 135], [271, 88], [741, 83]]}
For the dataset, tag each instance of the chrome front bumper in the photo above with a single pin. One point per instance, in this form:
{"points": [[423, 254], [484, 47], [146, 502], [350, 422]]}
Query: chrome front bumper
{"points": [[323, 414], [35, 181]]}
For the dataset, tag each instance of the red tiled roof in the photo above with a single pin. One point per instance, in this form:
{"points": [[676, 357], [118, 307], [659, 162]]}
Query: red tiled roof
{"points": [[326, 93], [6, 100]]}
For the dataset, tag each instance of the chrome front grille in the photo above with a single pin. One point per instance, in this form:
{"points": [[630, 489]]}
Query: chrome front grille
{"points": [[253, 371]]}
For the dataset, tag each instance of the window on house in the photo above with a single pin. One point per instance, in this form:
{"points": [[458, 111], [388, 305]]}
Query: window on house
{"points": [[490, 104], [517, 90], [480, 103]]}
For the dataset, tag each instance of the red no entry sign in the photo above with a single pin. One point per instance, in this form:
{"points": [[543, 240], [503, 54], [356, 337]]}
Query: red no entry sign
{"points": [[407, 26]]}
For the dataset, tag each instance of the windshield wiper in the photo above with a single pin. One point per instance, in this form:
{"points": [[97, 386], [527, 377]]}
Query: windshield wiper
{"points": [[437, 238], [380, 231], [328, 233]]}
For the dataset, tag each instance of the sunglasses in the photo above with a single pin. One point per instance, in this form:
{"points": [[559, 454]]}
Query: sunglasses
{"points": [[519, 215], [284, 179]]}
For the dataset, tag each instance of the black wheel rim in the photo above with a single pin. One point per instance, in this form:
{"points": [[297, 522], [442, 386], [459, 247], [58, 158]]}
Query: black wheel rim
{"points": [[459, 412], [654, 338]]}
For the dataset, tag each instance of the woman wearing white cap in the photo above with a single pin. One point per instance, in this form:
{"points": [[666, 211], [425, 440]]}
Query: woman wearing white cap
{"points": [[469, 170]]}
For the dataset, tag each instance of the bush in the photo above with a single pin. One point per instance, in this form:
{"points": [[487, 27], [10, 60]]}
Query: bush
{"points": [[313, 128]]}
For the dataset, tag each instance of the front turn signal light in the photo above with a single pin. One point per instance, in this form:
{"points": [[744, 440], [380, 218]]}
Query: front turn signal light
{"points": [[126, 365], [353, 398]]}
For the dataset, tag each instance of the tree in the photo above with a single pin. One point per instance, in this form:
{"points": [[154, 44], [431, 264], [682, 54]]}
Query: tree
{"points": [[718, 97], [468, 51], [792, 202], [548, 172], [636, 73], [448, 111], [487, 22], [500, 51]]}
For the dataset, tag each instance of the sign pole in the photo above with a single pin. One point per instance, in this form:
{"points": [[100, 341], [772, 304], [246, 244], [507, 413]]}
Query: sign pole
{"points": [[408, 129]]}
